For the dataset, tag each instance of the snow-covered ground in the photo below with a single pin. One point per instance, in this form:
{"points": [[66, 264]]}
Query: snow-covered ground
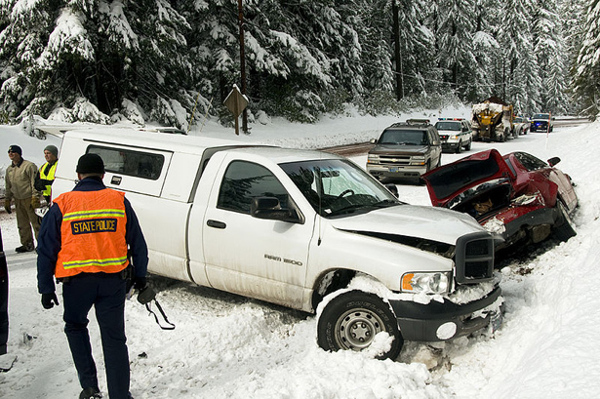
{"points": [[226, 346]]}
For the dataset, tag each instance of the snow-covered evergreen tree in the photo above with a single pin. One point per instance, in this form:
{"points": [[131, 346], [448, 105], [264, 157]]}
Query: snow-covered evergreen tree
{"points": [[587, 67], [454, 28], [485, 50], [25, 30], [522, 84], [417, 47], [550, 56], [161, 59]]}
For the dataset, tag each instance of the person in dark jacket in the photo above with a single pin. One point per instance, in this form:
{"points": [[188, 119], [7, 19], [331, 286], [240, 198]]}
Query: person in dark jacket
{"points": [[84, 242], [45, 176]]}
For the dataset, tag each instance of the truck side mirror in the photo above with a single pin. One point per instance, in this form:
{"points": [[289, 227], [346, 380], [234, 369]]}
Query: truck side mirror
{"points": [[553, 161], [373, 141], [270, 208]]}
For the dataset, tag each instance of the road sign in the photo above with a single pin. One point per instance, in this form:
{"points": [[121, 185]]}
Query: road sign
{"points": [[236, 101]]}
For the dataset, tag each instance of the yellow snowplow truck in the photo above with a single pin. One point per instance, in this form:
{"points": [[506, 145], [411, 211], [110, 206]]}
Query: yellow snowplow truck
{"points": [[492, 120]]}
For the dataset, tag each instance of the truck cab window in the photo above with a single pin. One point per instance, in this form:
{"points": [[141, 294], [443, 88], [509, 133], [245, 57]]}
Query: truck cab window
{"points": [[244, 181]]}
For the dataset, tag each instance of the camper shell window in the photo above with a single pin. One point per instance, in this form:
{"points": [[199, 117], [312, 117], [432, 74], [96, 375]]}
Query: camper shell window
{"points": [[140, 164]]}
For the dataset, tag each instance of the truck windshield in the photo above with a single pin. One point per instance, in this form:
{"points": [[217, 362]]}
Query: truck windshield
{"points": [[403, 137], [453, 126], [541, 116], [336, 187]]}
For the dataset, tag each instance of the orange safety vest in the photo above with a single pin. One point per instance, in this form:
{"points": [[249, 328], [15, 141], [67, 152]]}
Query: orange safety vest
{"points": [[92, 232]]}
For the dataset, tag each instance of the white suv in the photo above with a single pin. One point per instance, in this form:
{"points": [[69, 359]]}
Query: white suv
{"points": [[455, 134]]}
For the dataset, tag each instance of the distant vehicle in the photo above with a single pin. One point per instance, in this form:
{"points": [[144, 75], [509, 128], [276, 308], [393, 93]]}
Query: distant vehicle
{"points": [[455, 134], [492, 120], [542, 123], [517, 196], [521, 125], [405, 150]]}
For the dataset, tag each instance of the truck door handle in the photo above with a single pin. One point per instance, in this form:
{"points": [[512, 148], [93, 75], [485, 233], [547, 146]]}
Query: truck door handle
{"points": [[216, 224]]}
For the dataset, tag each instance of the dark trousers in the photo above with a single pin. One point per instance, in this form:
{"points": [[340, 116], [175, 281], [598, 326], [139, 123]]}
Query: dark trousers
{"points": [[3, 313], [3, 299], [106, 292]]}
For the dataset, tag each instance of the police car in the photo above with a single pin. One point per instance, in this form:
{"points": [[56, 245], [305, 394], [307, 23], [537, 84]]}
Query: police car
{"points": [[455, 134]]}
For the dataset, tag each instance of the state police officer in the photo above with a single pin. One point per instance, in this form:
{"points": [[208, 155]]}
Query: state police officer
{"points": [[84, 241]]}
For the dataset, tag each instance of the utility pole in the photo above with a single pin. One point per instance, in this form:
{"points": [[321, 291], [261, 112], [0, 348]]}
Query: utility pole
{"points": [[397, 55], [242, 64]]}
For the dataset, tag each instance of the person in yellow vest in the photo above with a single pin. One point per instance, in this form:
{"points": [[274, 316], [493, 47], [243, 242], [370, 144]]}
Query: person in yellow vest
{"points": [[84, 242], [45, 175]]}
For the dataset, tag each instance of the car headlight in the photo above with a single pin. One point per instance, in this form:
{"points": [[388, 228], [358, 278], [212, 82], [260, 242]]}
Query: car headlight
{"points": [[427, 283], [455, 137]]}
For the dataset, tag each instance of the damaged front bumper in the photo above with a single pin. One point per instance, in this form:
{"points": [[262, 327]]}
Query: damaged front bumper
{"points": [[440, 321]]}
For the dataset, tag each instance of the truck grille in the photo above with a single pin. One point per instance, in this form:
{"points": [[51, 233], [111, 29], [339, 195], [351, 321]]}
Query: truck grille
{"points": [[474, 258], [394, 160]]}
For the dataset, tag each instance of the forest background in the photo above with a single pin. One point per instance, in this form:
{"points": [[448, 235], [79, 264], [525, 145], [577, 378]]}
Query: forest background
{"points": [[174, 62]]}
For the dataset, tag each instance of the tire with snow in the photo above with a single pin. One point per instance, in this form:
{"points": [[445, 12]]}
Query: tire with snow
{"points": [[351, 321], [468, 146], [565, 230]]}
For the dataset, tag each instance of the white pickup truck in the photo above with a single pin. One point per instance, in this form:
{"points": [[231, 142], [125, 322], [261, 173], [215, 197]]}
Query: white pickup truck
{"points": [[299, 228]]}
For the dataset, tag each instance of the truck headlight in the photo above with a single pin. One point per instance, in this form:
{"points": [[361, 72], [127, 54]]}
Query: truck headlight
{"points": [[427, 283], [372, 159], [417, 161]]}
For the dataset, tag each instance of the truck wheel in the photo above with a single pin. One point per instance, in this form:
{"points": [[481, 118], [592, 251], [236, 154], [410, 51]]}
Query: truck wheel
{"points": [[459, 147], [567, 229], [351, 321], [468, 146]]}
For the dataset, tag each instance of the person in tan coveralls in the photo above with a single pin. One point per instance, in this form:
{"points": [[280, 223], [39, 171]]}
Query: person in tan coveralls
{"points": [[20, 180]]}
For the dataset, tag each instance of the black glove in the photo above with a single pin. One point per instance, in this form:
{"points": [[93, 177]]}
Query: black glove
{"points": [[48, 299], [139, 283]]}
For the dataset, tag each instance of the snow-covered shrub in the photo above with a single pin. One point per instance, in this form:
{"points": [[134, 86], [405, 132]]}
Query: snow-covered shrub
{"points": [[130, 112], [81, 111], [379, 102], [335, 100], [302, 106], [169, 112]]}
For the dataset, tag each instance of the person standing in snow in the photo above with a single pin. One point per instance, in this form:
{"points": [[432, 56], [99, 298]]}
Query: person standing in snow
{"points": [[20, 187], [84, 242], [45, 176]]}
